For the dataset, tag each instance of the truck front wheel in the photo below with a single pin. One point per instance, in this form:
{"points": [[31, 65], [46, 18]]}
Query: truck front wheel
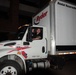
{"points": [[10, 68]]}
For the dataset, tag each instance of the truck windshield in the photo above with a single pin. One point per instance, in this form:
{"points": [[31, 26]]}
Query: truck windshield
{"points": [[21, 32], [13, 35]]}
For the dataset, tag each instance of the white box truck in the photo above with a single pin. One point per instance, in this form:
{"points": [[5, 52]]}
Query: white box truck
{"points": [[49, 49]]}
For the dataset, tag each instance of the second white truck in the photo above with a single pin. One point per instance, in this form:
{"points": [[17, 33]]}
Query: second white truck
{"points": [[50, 49]]}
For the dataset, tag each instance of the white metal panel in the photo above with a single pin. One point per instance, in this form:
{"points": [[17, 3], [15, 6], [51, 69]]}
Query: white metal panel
{"points": [[43, 19], [65, 15]]}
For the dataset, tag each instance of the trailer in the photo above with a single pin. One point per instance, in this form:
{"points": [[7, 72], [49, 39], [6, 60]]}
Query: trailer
{"points": [[48, 43]]}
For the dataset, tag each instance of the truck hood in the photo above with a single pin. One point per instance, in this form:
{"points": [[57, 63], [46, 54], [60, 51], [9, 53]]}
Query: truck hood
{"points": [[14, 42], [9, 44]]}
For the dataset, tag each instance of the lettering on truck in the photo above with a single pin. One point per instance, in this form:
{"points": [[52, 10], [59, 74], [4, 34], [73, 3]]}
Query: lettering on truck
{"points": [[38, 18]]}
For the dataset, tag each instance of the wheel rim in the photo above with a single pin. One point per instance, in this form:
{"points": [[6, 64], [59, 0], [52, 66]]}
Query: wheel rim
{"points": [[8, 70]]}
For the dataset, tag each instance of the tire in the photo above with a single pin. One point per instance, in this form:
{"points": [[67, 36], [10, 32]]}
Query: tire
{"points": [[10, 67]]}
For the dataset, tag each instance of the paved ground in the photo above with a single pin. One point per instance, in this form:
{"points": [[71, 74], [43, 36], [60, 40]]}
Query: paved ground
{"points": [[68, 69]]}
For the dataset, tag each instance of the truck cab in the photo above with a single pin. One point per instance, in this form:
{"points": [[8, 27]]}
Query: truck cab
{"points": [[26, 49], [36, 47]]}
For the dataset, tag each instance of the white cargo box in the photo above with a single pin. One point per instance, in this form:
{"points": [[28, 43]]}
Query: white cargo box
{"points": [[60, 19]]}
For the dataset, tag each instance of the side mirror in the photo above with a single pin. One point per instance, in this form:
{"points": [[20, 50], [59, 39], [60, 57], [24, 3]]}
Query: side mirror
{"points": [[29, 35], [26, 43]]}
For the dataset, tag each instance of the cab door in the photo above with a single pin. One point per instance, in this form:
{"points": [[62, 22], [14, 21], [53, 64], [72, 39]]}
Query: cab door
{"points": [[38, 47]]}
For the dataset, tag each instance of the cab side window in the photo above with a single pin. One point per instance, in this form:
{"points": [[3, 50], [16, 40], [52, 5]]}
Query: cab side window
{"points": [[37, 33]]}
